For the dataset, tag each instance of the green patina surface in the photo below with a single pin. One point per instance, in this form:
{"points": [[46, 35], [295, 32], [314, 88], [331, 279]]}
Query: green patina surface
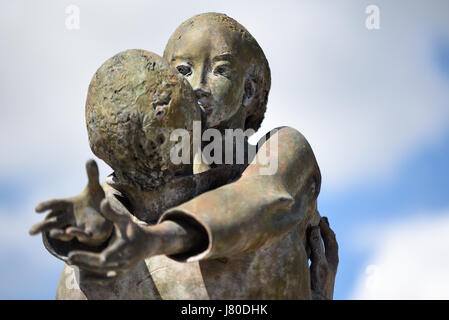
{"points": [[256, 225]]}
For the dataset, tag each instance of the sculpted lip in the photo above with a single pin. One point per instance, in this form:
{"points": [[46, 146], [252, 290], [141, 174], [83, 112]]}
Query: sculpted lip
{"points": [[207, 106]]}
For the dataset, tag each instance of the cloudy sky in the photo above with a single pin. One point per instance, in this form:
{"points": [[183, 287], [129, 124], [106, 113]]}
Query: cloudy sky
{"points": [[374, 104]]}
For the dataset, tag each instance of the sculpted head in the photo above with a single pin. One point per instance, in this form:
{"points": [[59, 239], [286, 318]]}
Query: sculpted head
{"points": [[226, 68], [135, 101]]}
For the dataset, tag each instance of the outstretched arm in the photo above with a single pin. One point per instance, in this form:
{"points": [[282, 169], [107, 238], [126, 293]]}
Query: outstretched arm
{"points": [[257, 210], [245, 215], [133, 240]]}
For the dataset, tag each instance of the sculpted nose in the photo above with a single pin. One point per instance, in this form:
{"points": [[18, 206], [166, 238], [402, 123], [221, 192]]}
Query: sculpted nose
{"points": [[200, 84], [202, 92]]}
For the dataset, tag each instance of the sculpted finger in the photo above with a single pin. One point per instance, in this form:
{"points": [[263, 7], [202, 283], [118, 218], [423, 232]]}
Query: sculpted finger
{"points": [[54, 213], [60, 234], [79, 233], [47, 224], [318, 265], [93, 178], [115, 214], [84, 259], [113, 252], [92, 262], [55, 204], [315, 244], [93, 175], [330, 243]]}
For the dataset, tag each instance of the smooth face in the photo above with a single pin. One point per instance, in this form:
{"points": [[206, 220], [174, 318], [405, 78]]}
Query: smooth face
{"points": [[208, 57]]}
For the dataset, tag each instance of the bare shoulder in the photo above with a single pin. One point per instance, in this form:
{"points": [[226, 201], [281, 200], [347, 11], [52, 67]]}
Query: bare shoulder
{"points": [[293, 156], [288, 139]]}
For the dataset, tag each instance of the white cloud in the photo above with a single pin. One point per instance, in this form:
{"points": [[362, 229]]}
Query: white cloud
{"points": [[364, 99], [410, 260]]}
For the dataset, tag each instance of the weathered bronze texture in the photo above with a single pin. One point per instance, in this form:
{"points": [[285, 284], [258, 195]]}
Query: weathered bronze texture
{"points": [[180, 231], [135, 101]]}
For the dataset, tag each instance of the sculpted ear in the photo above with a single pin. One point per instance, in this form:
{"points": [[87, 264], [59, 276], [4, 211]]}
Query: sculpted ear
{"points": [[249, 91]]}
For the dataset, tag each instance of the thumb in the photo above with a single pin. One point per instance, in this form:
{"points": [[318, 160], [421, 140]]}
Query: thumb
{"points": [[93, 177], [113, 214], [315, 244], [330, 243]]}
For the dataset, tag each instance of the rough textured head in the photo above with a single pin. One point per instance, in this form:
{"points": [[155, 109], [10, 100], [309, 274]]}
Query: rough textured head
{"points": [[135, 101], [225, 66]]}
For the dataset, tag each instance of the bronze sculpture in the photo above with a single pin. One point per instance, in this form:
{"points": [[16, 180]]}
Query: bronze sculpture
{"points": [[224, 231]]}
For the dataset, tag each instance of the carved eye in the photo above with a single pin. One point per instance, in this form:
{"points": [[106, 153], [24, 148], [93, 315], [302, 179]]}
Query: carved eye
{"points": [[222, 70], [184, 70]]}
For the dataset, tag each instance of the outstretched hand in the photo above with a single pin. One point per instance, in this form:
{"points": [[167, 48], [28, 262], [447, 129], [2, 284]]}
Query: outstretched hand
{"points": [[324, 261], [77, 217], [132, 242]]}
